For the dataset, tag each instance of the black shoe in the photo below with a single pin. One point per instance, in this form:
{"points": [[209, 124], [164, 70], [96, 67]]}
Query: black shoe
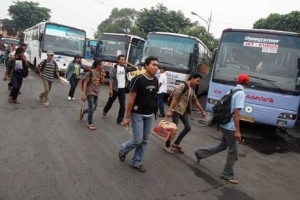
{"points": [[139, 168], [161, 116], [121, 156], [198, 159], [20, 93]]}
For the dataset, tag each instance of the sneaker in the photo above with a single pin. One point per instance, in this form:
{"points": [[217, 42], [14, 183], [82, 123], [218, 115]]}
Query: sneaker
{"points": [[46, 103], [73, 98], [140, 168], [69, 98], [81, 114]]}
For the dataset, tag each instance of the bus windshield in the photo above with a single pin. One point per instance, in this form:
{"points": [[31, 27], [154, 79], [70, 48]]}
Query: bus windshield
{"points": [[110, 46], [64, 40], [172, 51], [10, 41], [269, 59]]}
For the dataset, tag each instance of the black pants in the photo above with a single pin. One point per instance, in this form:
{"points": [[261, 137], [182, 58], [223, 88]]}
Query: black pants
{"points": [[73, 82], [16, 82], [121, 96]]}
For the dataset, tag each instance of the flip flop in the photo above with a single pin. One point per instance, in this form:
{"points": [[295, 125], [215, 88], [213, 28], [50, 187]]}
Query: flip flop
{"points": [[179, 148], [169, 150], [91, 126]]}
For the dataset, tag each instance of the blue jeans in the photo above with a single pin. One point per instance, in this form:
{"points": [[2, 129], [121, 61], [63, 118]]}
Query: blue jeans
{"points": [[187, 127], [92, 106], [141, 127], [228, 141], [160, 103], [16, 81]]}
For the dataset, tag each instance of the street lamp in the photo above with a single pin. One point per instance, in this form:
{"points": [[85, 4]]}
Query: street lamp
{"points": [[206, 21]]}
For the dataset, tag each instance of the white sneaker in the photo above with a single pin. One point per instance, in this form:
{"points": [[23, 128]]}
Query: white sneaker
{"points": [[69, 98], [46, 103], [73, 98]]}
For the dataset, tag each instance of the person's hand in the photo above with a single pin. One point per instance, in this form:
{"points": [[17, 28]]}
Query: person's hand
{"points": [[238, 136], [83, 97], [110, 93], [169, 113], [126, 121], [203, 114]]}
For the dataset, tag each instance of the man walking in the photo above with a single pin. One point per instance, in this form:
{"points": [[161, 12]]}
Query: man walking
{"points": [[140, 109], [181, 107], [47, 68], [117, 83], [163, 86], [231, 132]]}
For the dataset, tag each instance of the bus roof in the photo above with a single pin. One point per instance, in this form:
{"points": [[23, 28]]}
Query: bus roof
{"points": [[179, 35], [262, 31], [48, 22], [123, 34]]}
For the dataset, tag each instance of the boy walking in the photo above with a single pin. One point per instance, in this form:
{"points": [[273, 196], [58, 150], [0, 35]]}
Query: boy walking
{"points": [[140, 109]]}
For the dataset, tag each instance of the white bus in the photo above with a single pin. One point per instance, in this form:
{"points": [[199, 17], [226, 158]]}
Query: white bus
{"points": [[180, 55], [65, 41], [110, 45]]}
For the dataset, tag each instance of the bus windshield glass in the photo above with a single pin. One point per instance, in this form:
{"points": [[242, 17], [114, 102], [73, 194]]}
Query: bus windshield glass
{"points": [[269, 59], [64, 40], [112, 45], [172, 51]]}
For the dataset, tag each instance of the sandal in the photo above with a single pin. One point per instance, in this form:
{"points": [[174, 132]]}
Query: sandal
{"points": [[91, 126], [178, 147], [230, 180], [169, 150], [139, 168]]}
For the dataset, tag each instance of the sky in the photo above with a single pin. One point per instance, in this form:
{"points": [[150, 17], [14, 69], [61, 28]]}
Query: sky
{"points": [[88, 14]]}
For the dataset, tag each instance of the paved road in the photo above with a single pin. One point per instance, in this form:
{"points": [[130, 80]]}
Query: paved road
{"points": [[47, 153]]}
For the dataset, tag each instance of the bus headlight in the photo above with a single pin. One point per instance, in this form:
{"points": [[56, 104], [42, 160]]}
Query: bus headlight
{"points": [[287, 116], [212, 101]]}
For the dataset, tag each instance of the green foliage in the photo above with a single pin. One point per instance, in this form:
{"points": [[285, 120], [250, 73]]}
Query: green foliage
{"points": [[286, 22], [119, 21], [26, 14], [159, 18], [9, 26]]}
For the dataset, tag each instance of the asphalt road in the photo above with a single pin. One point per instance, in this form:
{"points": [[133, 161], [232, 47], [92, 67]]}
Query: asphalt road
{"points": [[47, 153]]}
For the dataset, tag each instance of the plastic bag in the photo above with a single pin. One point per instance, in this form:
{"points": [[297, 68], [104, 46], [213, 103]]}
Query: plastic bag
{"points": [[166, 129]]}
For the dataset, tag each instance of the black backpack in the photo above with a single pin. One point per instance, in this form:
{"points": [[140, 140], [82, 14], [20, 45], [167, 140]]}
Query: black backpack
{"points": [[222, 109]]}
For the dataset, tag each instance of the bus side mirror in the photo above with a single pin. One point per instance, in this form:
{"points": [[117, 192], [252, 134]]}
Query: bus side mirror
{"points": [[214, 55], [126, 46], [41, 37], [298, 64]]}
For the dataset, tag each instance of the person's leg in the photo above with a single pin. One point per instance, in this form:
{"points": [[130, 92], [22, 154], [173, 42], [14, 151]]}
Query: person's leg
{"points": [[137, 129], [14, 91], [110, 102], [121, 97], [160, 103], [73, 86], [232, 155], [187, 127], [91, 100], [46, 90], [175, 119], [140, 149]]}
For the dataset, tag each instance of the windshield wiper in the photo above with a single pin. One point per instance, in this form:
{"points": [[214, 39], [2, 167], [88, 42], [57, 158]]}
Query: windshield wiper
{"points": [[271, 82], [68, 53]]}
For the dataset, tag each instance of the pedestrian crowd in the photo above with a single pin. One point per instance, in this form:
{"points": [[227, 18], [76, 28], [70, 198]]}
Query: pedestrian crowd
{"points": [[146, 95]]}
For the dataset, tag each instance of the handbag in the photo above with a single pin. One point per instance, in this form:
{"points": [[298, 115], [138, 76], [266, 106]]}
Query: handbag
{"points": [[166, 129]]}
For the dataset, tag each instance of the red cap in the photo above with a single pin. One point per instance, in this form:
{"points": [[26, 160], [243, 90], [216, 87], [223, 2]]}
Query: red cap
{"points": [[243, 79]]}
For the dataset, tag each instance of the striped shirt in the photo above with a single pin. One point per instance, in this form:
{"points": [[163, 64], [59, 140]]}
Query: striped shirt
{"points": [[48, 69]]}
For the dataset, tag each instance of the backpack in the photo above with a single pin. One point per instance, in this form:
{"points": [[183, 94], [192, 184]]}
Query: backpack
{"points": [[170, 98], [44, 63], [222, 109], [90, 74]]}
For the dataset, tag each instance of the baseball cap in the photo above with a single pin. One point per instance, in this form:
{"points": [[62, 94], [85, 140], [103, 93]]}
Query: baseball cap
{"points": [[243, 79], [50, 53]]}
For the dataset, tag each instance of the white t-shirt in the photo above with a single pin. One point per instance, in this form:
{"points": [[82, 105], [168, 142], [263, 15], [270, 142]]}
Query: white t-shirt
{"points": [[163, 80], [121, 76]]}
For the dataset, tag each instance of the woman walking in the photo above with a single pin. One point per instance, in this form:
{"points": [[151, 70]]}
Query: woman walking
{"points": [[73, 75]]}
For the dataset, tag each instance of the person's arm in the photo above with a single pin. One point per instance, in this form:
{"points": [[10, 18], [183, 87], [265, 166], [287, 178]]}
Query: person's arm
{"points": [[132, 96], [198, 105], [236, 118], [39, 68], [111, 80], [84, 87]]}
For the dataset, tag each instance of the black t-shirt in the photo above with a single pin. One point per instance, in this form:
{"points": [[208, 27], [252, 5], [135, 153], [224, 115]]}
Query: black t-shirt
{"points": [[146, 90]]}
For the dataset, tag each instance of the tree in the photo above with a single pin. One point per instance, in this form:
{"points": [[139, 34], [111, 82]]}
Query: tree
{"points": [[9, 26], [159, 18], [286, 22], [26, 14], [201, 33], [120, 21]]}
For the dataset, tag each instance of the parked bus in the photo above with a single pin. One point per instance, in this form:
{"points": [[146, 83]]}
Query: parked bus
{"points": [[180, 55], [110, 45], [272, 60], [65, 41]]}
